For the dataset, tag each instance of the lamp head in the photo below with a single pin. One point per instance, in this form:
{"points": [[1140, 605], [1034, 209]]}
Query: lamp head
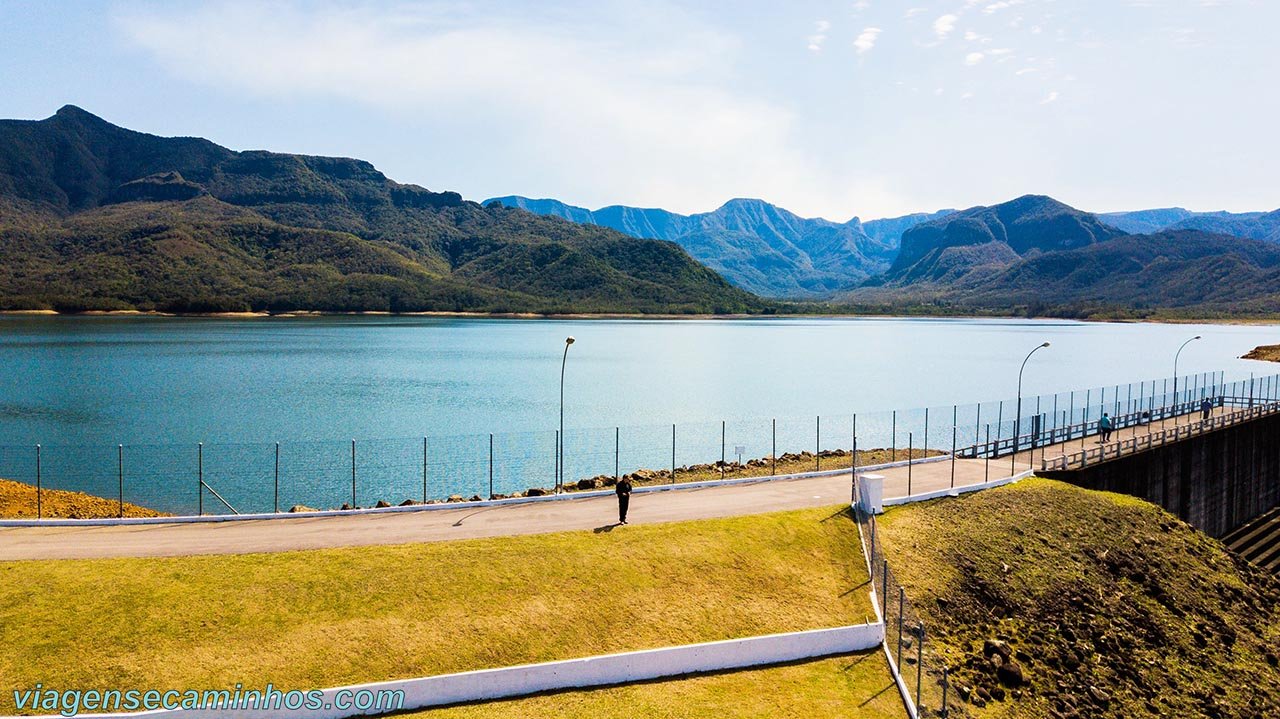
{"points": [[569, 340], [1196, 337], [1046, 344]]}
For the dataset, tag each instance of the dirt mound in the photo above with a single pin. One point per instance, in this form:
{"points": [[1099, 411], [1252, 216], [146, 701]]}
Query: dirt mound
{"points": [[18, 501], [1052, 601]]}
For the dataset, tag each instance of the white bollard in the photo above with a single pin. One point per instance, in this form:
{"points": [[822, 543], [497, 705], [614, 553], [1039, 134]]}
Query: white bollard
{"points": [[871, 490]]}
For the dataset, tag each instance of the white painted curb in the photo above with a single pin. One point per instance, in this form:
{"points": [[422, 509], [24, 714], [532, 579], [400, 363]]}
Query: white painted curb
{"points": [[605, 670]]}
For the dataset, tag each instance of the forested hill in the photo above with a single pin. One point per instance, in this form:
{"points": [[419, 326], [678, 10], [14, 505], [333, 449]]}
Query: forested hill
{"points": [[95, 216]]}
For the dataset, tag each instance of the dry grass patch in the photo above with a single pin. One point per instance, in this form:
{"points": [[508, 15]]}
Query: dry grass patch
{"points": [[850, 686], [18, 501], [337, 616]]}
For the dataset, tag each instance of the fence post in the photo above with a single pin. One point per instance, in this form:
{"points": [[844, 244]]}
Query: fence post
{"points": [[999, 423], [953, 455], [424, 470], [722, 449], [120, 468], [893, 438], [925, 444], [902, 605], [490, 465], [884, 586], [557, 479], [353, 474], [853, 478], [817, 444], [39, 505], [673, 453], [986, 467], [277, 479], [200, 477], [617, 451], [946, 684], [774, 471], [909, 452], [919, 663]]}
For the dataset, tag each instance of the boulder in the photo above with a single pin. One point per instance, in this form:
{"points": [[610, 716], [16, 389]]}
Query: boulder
{"points": [[455, 498], [475, 498], [996, 646], [382, 504], [535, 492], [1010, 674], [295, 509], [588, 483], [408, 503]]}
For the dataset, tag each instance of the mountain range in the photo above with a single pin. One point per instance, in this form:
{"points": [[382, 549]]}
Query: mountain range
{"points": [[1254, 225], [95, 216], [756, 245], [1036, 256]]}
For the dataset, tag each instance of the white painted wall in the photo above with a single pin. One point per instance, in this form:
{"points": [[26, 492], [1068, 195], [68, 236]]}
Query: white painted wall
{"points": [[596, 671]]}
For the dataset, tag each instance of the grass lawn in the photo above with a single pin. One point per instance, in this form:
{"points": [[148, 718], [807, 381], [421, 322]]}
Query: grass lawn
{"points": [[850, 686], [338, 616]]}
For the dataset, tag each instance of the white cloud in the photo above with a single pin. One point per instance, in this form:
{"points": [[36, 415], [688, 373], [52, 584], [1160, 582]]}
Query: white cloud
{"points": [[866, 40], [554, 103], [860, 6], [943, 26], [973, 58], [1001, 5], [1050, 98], [1026, 71], [819, 35], [912, 12]]}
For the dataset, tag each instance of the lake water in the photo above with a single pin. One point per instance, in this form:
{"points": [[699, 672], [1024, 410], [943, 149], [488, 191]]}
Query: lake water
{"points": [[82, 385]]}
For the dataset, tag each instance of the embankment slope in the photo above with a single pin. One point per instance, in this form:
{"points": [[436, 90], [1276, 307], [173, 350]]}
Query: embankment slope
{"points": [[1110, 606]]}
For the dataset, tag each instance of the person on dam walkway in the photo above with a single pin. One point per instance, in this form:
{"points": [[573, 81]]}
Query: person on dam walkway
{"points": [[1206, 409], [623, 488], [1104, 427]]}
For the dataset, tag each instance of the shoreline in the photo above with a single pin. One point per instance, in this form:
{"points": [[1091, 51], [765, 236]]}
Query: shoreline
{"points": [[302, 314]]}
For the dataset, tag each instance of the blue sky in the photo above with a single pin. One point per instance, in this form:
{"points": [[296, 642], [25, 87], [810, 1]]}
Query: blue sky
{"points": [[832, 109]]}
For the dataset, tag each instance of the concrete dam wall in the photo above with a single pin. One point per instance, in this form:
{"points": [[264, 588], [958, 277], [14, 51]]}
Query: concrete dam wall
{"points": [[1216, 481]]}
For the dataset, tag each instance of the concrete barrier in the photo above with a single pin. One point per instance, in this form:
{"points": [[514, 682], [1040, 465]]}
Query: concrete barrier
{"points": [[605, 670]]}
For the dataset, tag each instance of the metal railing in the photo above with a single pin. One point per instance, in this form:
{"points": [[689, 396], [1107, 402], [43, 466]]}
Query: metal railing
{"points": [[1141, 443]]}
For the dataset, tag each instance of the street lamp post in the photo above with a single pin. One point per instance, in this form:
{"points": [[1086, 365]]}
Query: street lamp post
{"points": [[1175, 376], [560, 450], [1017, 420]]}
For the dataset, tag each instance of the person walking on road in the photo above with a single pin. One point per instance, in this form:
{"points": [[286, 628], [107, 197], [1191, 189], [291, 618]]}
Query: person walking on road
{"points": [[1104, 427], [623, 488], [1206, 409]]}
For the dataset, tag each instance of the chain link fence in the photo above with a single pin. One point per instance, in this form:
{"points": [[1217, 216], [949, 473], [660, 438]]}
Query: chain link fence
{"points": [[270, 476]]}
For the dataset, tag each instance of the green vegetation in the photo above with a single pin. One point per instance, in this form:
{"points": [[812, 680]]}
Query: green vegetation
{"points": [[854, 686], [1108, 605], [97, 217], [332, 617], [18, 500]]}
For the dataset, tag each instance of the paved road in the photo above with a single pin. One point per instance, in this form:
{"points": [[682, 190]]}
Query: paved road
{"points": [[302, 532]]}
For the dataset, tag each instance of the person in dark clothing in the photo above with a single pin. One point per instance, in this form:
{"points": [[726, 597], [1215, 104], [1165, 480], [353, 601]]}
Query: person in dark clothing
{"points": [[1104, 427], [1206, 409], [623, 488]]}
